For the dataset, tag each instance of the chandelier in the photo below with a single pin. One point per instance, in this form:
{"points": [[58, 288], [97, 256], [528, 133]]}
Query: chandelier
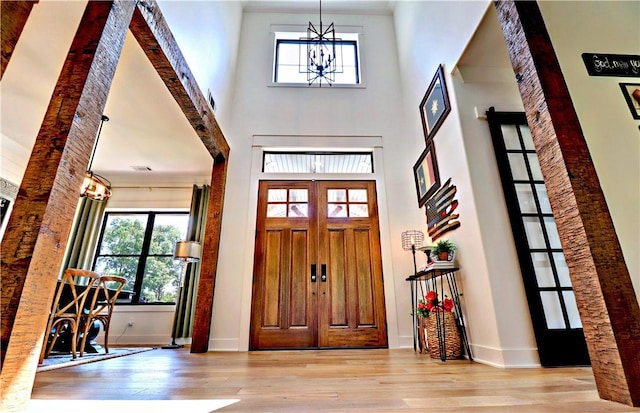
{"points": [[322, 60], [95, 186]]}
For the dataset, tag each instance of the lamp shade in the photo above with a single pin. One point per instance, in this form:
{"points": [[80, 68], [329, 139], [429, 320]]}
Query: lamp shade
{"points": [[188, 251], [412, 238]]}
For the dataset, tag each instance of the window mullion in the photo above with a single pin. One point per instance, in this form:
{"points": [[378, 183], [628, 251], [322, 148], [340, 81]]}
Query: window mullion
{"points": [[142, 263]]}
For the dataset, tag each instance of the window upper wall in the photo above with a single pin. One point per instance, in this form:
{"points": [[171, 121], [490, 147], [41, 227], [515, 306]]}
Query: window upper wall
{"points": [[290, 59]]}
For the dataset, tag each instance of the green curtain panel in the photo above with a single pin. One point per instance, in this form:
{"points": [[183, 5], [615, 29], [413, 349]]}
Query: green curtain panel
{"points": [[186, 303], [84, 234]]}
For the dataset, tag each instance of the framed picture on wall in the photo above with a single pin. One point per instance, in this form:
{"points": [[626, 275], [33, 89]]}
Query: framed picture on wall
{"points": [[435, 106], [426, 175], [631, 92]]}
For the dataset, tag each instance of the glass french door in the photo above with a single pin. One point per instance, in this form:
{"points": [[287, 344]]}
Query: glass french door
{"points": [[552, 305]]}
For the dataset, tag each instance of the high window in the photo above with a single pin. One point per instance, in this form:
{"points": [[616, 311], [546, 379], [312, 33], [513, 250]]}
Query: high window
{"points": [[139, 247], [290, 62]]}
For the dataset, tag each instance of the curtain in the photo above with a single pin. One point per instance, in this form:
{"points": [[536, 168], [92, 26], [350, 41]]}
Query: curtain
{"points": [[185, 305], [84, 234]]}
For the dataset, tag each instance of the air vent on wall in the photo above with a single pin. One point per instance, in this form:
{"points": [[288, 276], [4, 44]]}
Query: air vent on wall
{"points": [[141, 168]]}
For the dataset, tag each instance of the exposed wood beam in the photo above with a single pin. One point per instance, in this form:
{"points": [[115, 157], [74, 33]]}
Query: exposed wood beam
{"points": [[154, 36], [211, 246], [38, 228], [14, 15], [603, 289]]}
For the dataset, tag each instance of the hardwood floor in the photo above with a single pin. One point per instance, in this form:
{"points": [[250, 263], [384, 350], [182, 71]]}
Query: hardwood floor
{"points": [[311, 381]]}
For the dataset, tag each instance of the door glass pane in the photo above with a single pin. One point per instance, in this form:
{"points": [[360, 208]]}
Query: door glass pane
{"points": [[298, 195], [526, 137], [358, 210], [552, 232], [536, 173], [337, 195], [518, 168], [525, 198], [337, 210], [276, 210], [357, 195], [298, 210], [572, 309], [562, 269], [543, 198], [542, 267], [533, 230], [277, 195], [510, 136], [552, 309]]}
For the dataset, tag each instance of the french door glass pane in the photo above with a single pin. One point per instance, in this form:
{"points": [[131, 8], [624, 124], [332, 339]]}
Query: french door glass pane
{"points": [[526, 137], [552, 310], [276, 210], [298, 195], [337, 210], [525, 199], [536, 172], [510, 135], [357, 195], [358, 210], [277, 195], [562, 269], [518, 167], [543, 198], [298, 210], [337, 195], [572, 309], [542, 267], [533, 230], [552, 232]]}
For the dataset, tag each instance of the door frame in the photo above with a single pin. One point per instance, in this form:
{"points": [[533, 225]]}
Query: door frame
{"points": [[360, 143]]}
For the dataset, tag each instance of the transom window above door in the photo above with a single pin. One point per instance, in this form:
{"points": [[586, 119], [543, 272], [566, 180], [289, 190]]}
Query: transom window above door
{"points": [[317, 162]]}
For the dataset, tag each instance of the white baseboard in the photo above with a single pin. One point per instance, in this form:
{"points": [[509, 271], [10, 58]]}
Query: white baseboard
{"points": [[505, 358]]}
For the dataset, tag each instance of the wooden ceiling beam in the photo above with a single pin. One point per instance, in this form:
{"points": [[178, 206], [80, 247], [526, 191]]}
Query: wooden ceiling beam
{"points": [[14, 15]]}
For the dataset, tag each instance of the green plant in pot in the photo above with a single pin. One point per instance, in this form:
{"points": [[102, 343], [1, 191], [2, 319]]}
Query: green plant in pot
{"points": [[443, 250]]}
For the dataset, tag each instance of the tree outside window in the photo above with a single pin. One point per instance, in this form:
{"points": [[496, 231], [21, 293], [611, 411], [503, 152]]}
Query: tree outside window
{"points": [[139, 247]]}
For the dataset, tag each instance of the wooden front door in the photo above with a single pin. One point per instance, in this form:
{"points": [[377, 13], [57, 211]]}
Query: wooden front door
{"points": [[317, 269]]}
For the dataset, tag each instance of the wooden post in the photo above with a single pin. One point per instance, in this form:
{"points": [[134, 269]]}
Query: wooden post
{"points": [[38, 229], [604, 293], [14, 15]]}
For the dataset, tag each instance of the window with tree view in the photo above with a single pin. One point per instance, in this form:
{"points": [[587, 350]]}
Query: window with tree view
{"points": [[139, 247]]}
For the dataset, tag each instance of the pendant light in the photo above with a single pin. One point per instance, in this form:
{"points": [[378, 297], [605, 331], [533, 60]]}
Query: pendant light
{"points": [[94, 186]]}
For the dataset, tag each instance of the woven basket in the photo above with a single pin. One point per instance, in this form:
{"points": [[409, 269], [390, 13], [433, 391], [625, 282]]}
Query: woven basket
{"points": [[450, 333]]}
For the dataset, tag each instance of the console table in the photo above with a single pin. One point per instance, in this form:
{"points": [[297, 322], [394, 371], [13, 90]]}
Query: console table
{"points": [[434, 280]]}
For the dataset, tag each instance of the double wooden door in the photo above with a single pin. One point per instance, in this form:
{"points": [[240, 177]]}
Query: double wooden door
{"points": [[317, 279]]}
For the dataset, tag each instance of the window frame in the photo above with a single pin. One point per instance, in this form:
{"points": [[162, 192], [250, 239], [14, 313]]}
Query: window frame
{"points": [[144, 252]]}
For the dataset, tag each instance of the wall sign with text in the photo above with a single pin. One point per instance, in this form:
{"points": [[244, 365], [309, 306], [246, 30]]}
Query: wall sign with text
{"points": [[600, 64]]}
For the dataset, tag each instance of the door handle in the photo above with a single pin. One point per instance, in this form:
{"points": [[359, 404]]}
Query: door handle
{"points": [[323, 275], [313, 273]]}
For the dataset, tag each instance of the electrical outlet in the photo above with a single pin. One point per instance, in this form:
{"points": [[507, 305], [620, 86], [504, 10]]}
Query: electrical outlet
{"points": [[130, 323]]}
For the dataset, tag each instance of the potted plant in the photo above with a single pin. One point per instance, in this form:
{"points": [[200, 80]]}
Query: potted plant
{"points": [[443, 250]]}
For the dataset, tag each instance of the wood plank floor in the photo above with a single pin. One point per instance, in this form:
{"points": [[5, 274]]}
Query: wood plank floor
{"points": [[315, 381]]}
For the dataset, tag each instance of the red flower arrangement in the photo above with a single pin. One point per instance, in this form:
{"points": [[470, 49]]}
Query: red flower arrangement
{"points": [[432, 304]]}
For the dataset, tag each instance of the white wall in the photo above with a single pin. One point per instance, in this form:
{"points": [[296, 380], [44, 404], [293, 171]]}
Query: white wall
{"points": [[318, 115]]}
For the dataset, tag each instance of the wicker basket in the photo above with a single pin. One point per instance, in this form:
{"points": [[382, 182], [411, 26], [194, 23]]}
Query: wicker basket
{"points": [[450, 332]]}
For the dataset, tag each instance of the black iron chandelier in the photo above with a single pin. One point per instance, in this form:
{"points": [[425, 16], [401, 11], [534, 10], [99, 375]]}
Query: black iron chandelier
{"points": [[322, 60]]}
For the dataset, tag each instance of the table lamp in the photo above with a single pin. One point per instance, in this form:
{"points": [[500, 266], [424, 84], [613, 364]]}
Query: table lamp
{"points": [[412, 239]]}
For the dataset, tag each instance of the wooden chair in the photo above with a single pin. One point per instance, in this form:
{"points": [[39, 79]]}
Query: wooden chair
{"points": [[100, 307], [67, 308]]}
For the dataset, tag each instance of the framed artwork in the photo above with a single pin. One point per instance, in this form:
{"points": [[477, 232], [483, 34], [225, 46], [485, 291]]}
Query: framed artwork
{"points": [[435, 105], [631, 92], [425, 173]]}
